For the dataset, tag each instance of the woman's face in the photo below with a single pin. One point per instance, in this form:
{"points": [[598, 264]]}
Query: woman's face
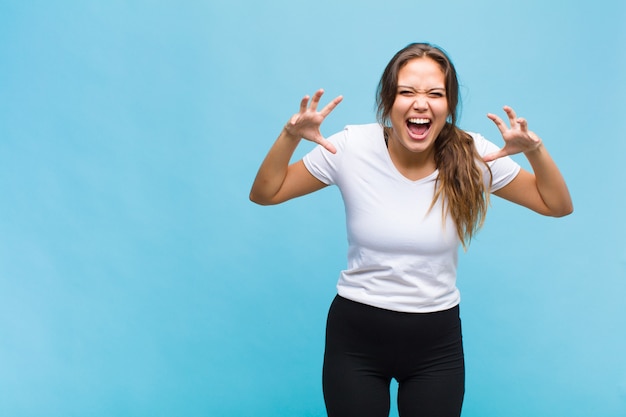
{"points": [[420, 109]]}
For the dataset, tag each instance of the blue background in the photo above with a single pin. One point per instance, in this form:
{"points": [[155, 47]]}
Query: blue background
{"points": [[136, 279]]}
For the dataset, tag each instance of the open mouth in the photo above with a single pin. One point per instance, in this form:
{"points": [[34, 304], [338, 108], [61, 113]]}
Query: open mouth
{"points": [[418, 127]]}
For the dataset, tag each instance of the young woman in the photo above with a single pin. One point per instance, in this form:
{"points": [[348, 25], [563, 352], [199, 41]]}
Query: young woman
{"points": [[415, 187]]}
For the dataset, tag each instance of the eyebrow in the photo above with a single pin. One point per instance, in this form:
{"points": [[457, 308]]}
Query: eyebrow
{"points": [[432, 89]]}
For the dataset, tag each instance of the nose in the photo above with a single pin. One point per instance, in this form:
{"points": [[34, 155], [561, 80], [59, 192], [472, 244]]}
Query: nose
{"points": [[420, 102]]}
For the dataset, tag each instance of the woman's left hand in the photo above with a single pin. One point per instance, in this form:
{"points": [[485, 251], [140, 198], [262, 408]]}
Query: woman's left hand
{"points": [[517, 137]]}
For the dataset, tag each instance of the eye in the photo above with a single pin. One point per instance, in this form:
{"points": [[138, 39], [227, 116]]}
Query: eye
{"points": [[436, 94], [405, 92]]}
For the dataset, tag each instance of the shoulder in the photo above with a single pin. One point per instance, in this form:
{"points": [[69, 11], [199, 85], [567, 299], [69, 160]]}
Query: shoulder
{"points": [[357, 136], [363, 134], [502, 170], [483, 146], [354, 144], [370, 130]]}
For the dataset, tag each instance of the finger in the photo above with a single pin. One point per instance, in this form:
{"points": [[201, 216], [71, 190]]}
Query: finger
{"points": [[331, 106], [328, 146], [523, 124], [304, 103], [502, 127], [511, 113], [316, 99], [495, 155]]}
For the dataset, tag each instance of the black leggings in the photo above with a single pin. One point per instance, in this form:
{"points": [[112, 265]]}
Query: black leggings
{"points": [[368, 346]]}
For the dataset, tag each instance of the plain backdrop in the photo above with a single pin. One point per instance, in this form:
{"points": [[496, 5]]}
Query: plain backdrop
{"points": [[136, 279]]}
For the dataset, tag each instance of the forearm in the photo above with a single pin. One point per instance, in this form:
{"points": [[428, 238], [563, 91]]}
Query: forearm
{"points": [[273, 170], [550, 183]]}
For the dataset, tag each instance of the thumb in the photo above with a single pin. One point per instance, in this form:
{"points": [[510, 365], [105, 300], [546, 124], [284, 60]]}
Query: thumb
{"points": [[494, 155], [328, 146]]}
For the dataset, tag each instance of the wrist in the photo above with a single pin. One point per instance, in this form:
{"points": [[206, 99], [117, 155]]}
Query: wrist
{"points": [[288, 134], [537, 150]]}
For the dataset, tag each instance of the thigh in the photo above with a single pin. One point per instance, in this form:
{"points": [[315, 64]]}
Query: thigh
{"points": [[434, 382], [350, 392], [355, 381], [436, 396]]}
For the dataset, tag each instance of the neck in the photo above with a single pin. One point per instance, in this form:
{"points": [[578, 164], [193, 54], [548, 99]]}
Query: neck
{"points": [[414, 165]]}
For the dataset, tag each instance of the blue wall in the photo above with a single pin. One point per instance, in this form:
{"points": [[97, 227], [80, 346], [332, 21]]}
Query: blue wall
{"points": [[137, 279]]}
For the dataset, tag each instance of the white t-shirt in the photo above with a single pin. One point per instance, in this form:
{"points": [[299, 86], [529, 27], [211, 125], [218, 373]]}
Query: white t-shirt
{"points": [[401, 256]]}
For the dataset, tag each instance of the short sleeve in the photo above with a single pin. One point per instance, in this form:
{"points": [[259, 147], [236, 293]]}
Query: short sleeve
{"points": [[324, 165], [503, 170]]}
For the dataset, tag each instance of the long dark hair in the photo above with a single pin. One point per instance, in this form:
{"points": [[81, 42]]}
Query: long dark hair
{"points": [[460, 182]]}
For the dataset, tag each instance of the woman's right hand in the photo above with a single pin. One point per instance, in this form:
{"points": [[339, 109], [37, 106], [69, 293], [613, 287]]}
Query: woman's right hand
{"points": [[306, 123]]}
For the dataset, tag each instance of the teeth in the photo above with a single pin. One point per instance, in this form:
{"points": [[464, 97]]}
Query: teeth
{"points": [[419, 121]]}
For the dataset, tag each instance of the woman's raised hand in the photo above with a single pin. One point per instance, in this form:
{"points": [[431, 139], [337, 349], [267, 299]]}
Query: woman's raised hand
{"points": [[517, 137], [306, 123]]}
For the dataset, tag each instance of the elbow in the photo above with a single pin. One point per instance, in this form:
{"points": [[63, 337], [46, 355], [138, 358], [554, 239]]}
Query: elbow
{"points": [[255, 198], [563, 211]]}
